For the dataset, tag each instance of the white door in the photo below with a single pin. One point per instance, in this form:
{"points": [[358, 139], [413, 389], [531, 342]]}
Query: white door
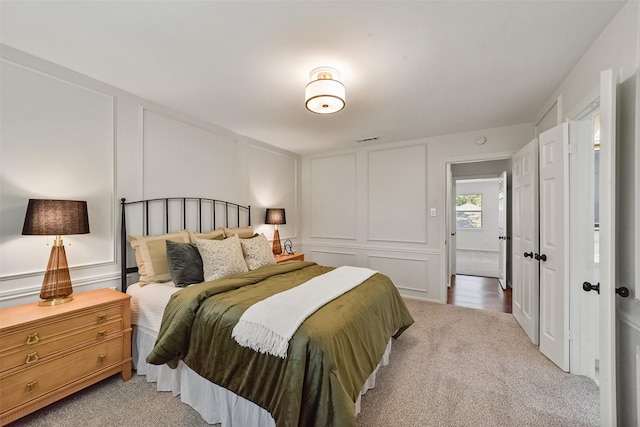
{"points": [[584, 233], [607, 186], [452, 226], [554, 244], [502, 230], [524, 237]]}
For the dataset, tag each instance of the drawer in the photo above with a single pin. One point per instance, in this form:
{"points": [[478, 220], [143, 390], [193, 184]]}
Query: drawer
{"points": [[29, 354], [33, 337], [45, 377]]}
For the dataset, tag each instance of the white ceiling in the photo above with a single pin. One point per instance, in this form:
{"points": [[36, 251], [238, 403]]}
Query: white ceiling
{"points": [[411, 69]]}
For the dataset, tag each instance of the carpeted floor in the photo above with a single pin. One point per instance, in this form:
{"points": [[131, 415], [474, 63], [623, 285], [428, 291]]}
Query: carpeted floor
{"points": [[458, 366], [454, 367]]}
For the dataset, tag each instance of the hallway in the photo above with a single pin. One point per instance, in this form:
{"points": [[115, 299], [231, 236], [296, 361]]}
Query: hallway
{"points": [[482, 293]]}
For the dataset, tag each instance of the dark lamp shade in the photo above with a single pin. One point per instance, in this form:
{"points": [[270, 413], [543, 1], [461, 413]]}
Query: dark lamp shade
{"points": [[56, 217], [275, 216]]}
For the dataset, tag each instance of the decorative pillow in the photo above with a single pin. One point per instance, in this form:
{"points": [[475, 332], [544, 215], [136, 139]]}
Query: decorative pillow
{"points": [[210, 235], [221, 258], [185, 263], [257, 252], [151, 256], [242, 232]]}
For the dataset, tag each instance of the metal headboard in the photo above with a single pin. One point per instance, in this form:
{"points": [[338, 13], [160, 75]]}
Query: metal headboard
{"points": [[158, 216]]}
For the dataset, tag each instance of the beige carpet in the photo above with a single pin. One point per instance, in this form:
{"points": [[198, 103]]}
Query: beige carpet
{"points": [[455, 367], [463, 367]]}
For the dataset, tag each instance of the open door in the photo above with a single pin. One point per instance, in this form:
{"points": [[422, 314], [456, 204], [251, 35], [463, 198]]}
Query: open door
{"points": [[584, 136], [554, 245], [451, 218], [525, 274], [502, 230], [607, 184]]}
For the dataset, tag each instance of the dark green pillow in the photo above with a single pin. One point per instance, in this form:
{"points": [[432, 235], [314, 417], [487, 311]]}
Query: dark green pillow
{"points": [[185, 263]]}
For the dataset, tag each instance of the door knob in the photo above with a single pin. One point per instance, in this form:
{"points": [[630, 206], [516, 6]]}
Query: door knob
{"points": [[542, 257], [589, 287], [623, 291], [528, 254]]}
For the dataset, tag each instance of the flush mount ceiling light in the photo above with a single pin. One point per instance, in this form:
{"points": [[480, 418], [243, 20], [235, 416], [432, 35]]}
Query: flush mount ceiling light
{"points": [[323, 94]]}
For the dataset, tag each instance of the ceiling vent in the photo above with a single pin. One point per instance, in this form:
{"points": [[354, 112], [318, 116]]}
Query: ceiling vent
{"points": [[372, 139]]}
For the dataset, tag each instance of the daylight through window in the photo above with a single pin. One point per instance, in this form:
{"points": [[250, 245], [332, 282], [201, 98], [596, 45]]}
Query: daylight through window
{"points": [[469, 211]]}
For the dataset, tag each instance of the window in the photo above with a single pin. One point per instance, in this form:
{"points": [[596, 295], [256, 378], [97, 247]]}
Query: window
{"points": [[469, 211]]}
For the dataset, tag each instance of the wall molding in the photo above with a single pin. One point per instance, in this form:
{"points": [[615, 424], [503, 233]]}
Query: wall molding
{"points": [[353, 157], [296, 183], [108, 94], [77, 284], [424, 262], [332, 252], [362, 247], [40, 273], [423, 238]]}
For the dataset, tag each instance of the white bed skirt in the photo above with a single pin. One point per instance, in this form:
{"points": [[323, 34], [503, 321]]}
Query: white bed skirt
{"points": [[214, 403]]}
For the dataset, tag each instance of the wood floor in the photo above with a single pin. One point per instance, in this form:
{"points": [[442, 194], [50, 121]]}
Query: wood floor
{"points": [[479, 292]]}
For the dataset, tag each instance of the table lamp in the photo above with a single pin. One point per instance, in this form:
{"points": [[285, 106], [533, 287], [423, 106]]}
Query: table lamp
{"points": [[55, 218], [276, 217]]}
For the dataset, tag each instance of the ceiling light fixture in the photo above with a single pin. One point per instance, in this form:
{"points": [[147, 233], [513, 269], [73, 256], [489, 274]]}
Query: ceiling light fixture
{"points": [[323, 94]]}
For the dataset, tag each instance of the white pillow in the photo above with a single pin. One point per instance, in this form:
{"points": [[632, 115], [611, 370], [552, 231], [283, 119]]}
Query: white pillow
{"points": [[257, 252], [221, 258]]}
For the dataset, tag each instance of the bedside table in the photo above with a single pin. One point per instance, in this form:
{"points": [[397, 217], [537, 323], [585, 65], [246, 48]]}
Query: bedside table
{"points": [[297, 257], [50, 352]]}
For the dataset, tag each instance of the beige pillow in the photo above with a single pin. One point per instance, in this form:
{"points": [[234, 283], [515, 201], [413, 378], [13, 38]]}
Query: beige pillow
{"points": [[151, 255], [257, 252], [221, 258], [209, 235], [242, 232]]}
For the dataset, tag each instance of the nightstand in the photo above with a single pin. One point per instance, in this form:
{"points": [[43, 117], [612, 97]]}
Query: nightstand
{"points": [[49, 352], [284, 257]]}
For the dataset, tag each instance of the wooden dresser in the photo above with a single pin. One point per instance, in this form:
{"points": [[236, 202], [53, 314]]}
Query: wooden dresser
{"points": [[49, 352]]}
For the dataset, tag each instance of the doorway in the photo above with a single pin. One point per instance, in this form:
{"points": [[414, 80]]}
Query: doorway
{"points": [[478, 240], [476, 227]]}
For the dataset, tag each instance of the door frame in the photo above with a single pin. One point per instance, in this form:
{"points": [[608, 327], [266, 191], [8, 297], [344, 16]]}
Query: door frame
{"points": [[445, 267]]}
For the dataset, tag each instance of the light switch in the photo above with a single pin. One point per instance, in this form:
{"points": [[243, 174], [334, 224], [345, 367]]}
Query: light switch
{"points": [[433, 211]]}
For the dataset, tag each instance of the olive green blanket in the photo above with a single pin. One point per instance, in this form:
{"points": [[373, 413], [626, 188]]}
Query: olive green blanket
{"points": [[329, 358]]}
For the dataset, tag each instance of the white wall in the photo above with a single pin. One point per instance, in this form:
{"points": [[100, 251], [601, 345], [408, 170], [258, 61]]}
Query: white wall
{"points": [[67, 136], [371, 205], [617, 47]]}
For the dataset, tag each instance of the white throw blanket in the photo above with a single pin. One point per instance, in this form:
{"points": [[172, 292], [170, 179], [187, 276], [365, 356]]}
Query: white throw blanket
{"points": [[268, 325]]}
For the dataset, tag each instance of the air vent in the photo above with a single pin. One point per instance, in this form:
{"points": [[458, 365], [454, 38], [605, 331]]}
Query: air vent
{"points": [[372, 139]]}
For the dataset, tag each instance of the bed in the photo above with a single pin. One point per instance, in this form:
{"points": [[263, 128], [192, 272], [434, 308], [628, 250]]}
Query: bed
{"points": [[183, 335]]}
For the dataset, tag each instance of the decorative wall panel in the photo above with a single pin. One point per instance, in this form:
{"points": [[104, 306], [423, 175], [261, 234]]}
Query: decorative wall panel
{"points": [[397, 195], [332, 258], [333, 197], [273, 184], [180, 158], [406, 273], [57, 142]]}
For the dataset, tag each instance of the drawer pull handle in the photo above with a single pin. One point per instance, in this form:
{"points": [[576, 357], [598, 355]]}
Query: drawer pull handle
{"points": [[31, 357], [102, 333], [102, 318], [102, 357], [33, 338], [31, 386]]}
